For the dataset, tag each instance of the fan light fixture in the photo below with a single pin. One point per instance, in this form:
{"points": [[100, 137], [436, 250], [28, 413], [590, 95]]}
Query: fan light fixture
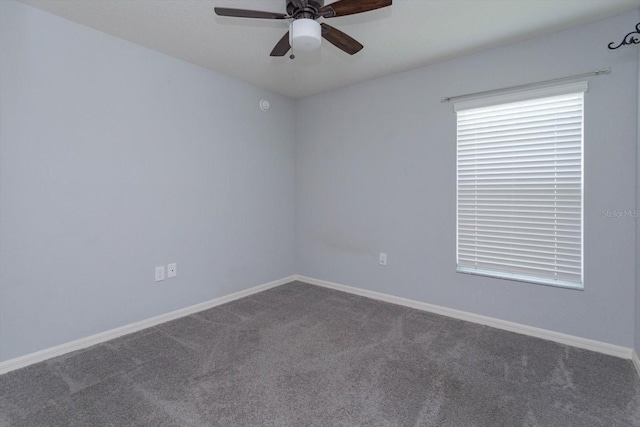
{"points": [[305, 34]]}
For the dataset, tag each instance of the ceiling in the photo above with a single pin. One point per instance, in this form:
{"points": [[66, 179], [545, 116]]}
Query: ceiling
{"points": [[406, 35]]}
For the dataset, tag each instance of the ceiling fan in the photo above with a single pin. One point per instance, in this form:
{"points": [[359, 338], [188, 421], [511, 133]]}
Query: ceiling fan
{"points": [[304, 32]]}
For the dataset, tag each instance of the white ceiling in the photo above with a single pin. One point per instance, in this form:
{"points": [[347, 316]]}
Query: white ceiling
{"points": [[406, 35]]}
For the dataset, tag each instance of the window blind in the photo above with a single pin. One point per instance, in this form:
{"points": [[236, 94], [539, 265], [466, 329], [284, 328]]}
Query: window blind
{"points": [[520, 190]]}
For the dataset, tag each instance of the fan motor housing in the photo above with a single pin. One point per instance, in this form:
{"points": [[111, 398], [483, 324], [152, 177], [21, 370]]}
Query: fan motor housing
{"points": [[313, 6]]}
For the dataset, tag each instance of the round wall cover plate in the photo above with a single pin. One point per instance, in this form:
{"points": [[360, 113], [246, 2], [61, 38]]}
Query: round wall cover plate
{"points": [[264, 105]]}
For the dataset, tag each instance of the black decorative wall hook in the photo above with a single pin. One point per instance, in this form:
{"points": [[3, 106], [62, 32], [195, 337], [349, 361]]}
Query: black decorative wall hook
{"points": [[632, 38]]}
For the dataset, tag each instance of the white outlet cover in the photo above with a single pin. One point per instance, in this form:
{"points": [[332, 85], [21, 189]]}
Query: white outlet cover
{"points": [[172, 270], [383, 258], [159, 273]]}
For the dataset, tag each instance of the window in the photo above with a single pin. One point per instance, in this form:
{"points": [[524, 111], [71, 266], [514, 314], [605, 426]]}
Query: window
{"points": [[520, 186]]}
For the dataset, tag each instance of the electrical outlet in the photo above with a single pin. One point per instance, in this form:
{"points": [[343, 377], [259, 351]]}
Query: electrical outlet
{"points": [[160, 273], [172, 270], [383, 258]]}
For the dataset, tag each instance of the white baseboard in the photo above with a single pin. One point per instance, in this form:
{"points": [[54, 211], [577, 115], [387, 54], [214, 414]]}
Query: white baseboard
{"points": [[601, 347], [39, 356], [598, 346], [636, 361]]}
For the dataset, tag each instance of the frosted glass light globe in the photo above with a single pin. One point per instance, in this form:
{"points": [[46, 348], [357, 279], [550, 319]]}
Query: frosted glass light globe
{"points": [[305, 34]]}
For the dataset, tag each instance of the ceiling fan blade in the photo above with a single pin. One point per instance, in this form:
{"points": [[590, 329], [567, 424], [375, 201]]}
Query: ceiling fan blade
{"points": [[349, 7], [244, 13], [282, 47], [340, 39]]}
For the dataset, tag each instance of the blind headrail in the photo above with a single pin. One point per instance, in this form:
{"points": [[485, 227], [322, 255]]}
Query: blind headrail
{"points": [[606, 70]]}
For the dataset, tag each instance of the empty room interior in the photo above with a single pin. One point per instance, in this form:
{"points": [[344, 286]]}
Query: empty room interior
{"points": [[331, 213]]}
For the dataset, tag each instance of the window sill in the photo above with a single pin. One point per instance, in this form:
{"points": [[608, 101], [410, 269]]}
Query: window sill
{"points": [[521, 278]]}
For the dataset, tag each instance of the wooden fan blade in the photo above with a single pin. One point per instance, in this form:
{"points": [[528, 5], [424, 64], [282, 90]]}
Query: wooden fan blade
{"points": [[244, 13], [340, 39], [349, 7], [282, 47]]}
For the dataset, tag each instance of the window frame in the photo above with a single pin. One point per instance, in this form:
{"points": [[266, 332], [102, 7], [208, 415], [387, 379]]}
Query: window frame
{"points": [[526, 95]]}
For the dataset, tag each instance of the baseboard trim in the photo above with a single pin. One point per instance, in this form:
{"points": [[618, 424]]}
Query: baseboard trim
{"points": [[584, 343], [39, 356], [636, 361], [588, 344]]}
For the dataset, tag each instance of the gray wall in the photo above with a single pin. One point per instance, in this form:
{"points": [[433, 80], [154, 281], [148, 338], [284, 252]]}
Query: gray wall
{"points": [[637, 323], [115, 159], [376, 173]]}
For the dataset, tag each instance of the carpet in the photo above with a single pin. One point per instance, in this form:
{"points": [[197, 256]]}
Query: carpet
{"points": [[302, 355]]}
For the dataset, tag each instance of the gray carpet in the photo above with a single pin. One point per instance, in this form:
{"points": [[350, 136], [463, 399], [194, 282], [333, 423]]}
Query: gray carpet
{"points": [[301, 355]]}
